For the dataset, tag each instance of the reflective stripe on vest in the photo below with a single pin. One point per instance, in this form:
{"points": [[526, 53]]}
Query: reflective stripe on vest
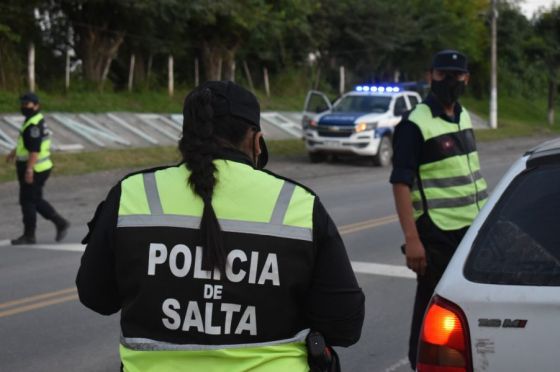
{"points": [[449, 187], [284, 219], [163, 199], [43, 162], [134, 343]]}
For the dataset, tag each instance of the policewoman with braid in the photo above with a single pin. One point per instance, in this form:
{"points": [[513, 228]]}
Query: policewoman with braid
{"points": [[217, 264]]}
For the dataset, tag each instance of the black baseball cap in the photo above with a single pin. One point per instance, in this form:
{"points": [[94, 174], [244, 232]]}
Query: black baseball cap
{"points": [[29, 97], [450, 60], [232, 99]]}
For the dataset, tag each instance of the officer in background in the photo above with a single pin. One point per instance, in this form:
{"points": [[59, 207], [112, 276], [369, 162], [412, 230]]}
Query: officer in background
{"points": [[215, 263], [33, 164], [437, 185]]}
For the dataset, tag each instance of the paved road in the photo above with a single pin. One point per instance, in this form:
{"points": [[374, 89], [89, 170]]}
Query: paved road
{"points": [[44, 328]]}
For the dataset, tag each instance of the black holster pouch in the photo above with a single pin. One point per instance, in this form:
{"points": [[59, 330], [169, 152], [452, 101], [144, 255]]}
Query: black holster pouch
{"points": [[320, 357]]}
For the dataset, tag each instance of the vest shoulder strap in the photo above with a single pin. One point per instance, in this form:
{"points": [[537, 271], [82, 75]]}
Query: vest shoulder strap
{"points": [[34, 120], [431, 127]]}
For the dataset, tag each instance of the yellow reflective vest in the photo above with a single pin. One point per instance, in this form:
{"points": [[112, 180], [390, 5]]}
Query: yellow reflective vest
{"points": [[178, 316], [449, 186], [44, 161]]}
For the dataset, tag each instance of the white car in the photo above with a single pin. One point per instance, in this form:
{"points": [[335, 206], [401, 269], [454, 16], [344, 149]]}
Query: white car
{"points": [[497, 306], [360, 122]]}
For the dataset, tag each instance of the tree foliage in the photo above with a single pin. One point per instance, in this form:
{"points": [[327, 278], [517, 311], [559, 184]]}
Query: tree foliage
{"points": [[373, 39]]}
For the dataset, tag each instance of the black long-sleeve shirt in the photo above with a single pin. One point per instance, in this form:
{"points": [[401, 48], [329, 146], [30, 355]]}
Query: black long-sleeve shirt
{"points": [[334, 305]]}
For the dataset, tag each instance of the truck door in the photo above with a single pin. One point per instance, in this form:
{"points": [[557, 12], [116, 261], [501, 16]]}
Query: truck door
{"points": [[315, 103]]}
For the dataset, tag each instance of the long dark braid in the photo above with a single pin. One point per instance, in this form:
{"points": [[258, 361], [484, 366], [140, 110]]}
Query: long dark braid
{"points": [[203, 135]]}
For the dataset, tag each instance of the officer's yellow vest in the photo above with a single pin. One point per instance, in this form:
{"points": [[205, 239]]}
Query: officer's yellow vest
{"points": [[44, 161], [450, 189], [279, 208]]}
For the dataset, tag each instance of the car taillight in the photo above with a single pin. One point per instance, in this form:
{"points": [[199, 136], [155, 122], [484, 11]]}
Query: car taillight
{"points": [[444, 344]]}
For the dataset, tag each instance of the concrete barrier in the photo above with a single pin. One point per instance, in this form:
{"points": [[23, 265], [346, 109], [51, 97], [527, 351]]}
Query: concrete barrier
{"points": [[90, 132]]}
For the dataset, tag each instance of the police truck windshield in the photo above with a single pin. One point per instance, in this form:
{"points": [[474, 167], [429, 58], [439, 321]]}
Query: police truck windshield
{"points": [[363, 104]]}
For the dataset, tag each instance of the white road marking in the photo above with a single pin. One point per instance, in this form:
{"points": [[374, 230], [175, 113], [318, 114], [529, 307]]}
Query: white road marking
{"points": [[382, 269], [69, 247], [370, 268], [395, 367]]}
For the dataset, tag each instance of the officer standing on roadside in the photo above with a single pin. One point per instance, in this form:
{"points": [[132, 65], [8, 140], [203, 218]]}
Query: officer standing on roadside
{"points": [[437, 185], [215, 263], [33, 165]]}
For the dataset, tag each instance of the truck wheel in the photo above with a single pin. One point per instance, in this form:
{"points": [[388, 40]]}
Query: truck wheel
{"points": [[384, 155], [316, 157]]}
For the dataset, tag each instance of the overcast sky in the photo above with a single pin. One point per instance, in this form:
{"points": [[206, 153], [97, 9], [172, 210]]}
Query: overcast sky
{"points": [[529, 7]]}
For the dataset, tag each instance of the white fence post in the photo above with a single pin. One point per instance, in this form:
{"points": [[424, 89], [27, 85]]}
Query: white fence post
{"points": [[170, 82], [342, 86], [266, 82], [131, 72], [31, 67], [196, 73]]}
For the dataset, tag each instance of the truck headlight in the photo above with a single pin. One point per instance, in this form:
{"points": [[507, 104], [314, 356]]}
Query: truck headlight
{"points": [[312, 124], [362, 127]]}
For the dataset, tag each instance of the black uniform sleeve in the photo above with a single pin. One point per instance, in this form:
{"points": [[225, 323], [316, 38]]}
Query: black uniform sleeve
{"points": [[96, 280], [407, 149], [32, 136], [335, 304]]}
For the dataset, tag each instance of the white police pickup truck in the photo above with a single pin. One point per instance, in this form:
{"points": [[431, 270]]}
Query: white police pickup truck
{"points": [[360, 122]]}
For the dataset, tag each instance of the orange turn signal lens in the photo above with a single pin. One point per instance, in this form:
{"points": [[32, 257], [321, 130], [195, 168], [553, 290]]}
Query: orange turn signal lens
{"points": [[440, 325], [444, 341]]}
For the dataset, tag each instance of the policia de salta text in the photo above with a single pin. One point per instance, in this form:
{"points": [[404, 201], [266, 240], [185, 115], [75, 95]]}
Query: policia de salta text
{"points": [[33, 165], [436, 180], [215, 263]]}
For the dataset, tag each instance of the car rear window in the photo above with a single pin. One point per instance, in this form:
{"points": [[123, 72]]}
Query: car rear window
{"points": [[519, 243]]}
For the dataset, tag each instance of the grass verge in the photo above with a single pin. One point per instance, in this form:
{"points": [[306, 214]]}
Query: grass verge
{"points": [[517, 117], [94, 161]]}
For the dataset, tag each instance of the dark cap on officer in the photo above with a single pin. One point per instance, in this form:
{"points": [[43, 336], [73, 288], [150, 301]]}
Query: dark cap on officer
{"points": [[450, 60], [232, 99], [29, 97]]}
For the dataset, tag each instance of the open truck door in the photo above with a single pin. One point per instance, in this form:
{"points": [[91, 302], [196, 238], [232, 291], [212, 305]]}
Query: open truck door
{"points": [[315, 103]]}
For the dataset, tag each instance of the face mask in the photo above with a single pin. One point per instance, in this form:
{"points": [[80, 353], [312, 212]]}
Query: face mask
{"points": [[27, 111], [448, 90], [263, 157]]}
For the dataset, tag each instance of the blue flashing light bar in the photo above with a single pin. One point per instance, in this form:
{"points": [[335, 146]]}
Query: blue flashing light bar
{"points": [[377, 88]]}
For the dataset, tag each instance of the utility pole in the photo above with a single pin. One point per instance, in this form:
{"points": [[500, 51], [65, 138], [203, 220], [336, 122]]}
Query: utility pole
{"points": [[494, 69]]}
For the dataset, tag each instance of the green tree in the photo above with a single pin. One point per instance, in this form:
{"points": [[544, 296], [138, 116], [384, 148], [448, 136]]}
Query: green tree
{"points": [[548, 28], [99, 28]]}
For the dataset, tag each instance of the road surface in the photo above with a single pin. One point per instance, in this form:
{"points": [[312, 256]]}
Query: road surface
{"points": [[44, 328]]}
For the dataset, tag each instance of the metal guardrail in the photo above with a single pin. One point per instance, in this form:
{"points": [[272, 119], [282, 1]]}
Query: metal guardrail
{"points": [[126, 129]]}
